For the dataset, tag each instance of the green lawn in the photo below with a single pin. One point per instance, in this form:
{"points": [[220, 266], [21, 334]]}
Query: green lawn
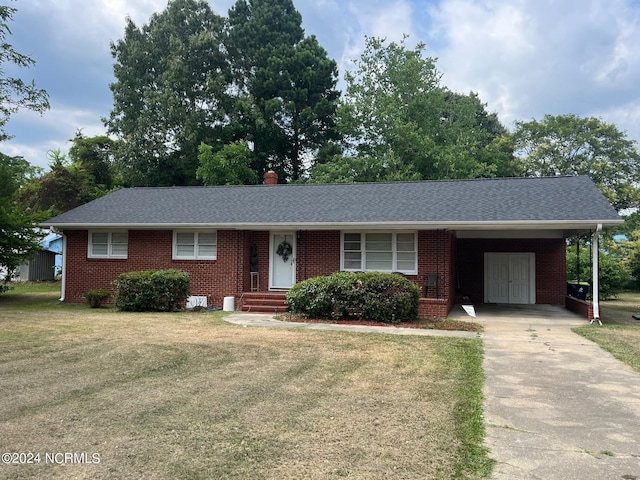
{"points": [[620, 333], [188, 396]]}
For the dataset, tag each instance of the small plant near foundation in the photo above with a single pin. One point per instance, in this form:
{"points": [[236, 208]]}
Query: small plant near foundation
{"points": [[95, 297]]}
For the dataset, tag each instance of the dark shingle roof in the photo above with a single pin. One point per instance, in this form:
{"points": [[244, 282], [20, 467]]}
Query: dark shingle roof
{"points": [[485, 201]]}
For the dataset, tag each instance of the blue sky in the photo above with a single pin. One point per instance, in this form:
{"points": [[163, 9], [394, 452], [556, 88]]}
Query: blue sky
{"points": [[524, 58]]}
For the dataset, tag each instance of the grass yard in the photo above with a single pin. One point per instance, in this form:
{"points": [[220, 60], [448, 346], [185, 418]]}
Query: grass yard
{"points": [[188, 396], [619, 334]]}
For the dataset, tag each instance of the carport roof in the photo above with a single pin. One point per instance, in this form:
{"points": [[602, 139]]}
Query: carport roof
{"points": [[561, 202]]}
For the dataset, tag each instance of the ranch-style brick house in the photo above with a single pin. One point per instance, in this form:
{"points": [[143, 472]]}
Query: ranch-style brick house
{"points": [[488, 240]]}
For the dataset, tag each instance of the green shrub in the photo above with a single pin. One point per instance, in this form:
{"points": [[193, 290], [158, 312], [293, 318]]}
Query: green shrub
{"points": [[382, 297], [613, 274], [95, 297], [151, 290]]}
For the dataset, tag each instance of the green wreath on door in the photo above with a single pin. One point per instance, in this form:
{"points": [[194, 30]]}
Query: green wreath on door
{"points": [[284, 250]]}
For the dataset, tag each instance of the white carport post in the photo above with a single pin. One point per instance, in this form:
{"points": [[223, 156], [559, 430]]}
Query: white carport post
{"points": [[596, 275]]}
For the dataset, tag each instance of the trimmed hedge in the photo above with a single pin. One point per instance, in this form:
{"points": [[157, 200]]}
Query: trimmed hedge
{"points": [[151, 290], [380, 297]]}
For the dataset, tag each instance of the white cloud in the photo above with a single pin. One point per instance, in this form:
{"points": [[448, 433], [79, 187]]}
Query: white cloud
{"points": [[93, 24], [59, 123], [392, 22], [530, 58], [626, 117], [389, 20]]}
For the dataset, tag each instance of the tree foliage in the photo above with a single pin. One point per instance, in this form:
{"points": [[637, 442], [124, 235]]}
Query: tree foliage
{"points": [[70, 182], [94, 155], [396, 107], [14, 92], [285, 85], [229, 166], [362, 168], [631, 246], [573, 145], [612, 269], [63, 187], [170, 93], [19, 238]]}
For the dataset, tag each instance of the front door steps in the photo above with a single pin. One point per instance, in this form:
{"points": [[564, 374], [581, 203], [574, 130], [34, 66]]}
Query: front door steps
{"points": [[263, 302]]}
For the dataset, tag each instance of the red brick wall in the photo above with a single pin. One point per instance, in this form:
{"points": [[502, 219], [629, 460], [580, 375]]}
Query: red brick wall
{"points": [[152, 250], [261, 241], [549, 264], [581, 307], [437, 254], [318, 253]]}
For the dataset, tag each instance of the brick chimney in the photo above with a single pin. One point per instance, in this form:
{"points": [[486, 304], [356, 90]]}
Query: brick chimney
{"points": [[271, 178]]}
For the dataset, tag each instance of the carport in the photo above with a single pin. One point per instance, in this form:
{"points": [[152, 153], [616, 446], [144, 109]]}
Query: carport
{"points": [[517, 266]]}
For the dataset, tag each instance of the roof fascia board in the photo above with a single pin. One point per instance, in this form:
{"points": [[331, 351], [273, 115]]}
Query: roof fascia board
{"points": [[515, 225]]}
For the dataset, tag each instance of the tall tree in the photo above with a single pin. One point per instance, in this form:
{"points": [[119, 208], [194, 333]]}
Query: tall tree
{"points": [[65, 186], [362, 168], [94, 155], [573, 145], [285, 85], [14, 92], [395, 106], [70, 182], [18, 236], [170, 93], [228, 166]]}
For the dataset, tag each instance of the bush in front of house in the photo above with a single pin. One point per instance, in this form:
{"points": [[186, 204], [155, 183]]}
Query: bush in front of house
{"points": [[324, 297], [151, 290], [95, 297], [380, 297]]}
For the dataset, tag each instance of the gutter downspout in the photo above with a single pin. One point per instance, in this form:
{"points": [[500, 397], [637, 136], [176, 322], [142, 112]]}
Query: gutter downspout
{"points": [[64, 267], [596, 275]]}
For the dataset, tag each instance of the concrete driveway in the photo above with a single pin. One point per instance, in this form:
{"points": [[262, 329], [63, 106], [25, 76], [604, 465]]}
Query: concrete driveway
{"points": [[557, 406]]}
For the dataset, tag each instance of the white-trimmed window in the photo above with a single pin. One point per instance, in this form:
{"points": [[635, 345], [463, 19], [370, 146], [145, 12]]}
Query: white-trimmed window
{"points": [[198, 245], [380, 252], [104, 244]]}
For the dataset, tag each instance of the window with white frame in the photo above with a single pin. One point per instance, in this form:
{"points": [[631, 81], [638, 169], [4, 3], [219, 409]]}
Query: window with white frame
{"points": [[380, 251], [103, 244], [189, 245]]}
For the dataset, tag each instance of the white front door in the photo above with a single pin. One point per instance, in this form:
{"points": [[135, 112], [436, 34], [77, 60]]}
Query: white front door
{"points": [[282, 260], [510, 278]]}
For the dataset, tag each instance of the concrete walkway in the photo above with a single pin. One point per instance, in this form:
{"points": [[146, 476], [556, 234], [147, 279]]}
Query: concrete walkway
{"points": [[267, 320], [557, 406]]}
